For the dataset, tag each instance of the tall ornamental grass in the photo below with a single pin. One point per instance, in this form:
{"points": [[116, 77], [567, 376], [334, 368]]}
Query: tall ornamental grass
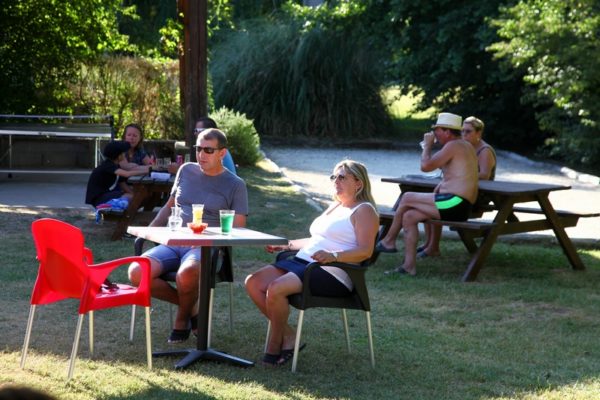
{"points": [[295, 81]]}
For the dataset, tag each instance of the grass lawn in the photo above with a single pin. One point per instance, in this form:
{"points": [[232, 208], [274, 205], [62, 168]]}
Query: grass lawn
{"points": [[528, 328]]}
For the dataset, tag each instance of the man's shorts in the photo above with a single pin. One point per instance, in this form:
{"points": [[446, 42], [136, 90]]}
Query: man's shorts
{"points": [[452, 207], [171, 257]]}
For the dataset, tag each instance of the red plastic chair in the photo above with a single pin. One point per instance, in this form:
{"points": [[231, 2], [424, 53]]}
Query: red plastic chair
{"points": [[66, 270]]}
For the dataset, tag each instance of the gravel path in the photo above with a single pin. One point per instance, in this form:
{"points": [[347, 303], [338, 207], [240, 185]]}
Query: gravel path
{"points": [[310, 170]]}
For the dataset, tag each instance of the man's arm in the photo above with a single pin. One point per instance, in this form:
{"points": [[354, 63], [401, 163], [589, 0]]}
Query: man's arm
{"points": [[438, 160], [239, 221]]}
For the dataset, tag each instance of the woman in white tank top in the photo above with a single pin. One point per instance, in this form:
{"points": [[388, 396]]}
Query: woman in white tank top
{"points": [[345, 232]]}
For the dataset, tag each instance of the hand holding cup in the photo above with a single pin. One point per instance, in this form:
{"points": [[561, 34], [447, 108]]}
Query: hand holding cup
{"points": [[428, 140]]}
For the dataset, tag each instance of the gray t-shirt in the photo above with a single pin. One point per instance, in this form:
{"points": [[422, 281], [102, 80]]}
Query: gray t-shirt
{"points": [[225, 191]]}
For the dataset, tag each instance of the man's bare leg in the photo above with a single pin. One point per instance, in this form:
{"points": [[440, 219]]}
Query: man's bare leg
{"points": [[419, 207], [389, 241], [432, 245]]}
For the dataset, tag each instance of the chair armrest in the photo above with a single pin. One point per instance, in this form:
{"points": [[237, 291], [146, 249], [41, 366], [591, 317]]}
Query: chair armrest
{"points": [[100, 271], [356, 273], [282, 255]]}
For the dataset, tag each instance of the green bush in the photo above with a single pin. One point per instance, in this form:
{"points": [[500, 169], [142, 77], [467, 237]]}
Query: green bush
{"points": [[242, 138]]}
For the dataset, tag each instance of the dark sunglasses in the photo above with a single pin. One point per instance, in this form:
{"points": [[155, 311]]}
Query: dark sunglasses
{"points": [[207, 150], [341, 177], [468, 131]]}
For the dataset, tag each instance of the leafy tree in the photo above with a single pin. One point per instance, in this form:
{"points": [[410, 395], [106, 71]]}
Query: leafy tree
{"points": [[557, 44], [143, 23], [42, 43], [438, 49]]}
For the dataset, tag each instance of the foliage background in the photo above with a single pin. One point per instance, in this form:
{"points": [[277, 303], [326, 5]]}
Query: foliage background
{"points": [[526, 67], [294, 79]]}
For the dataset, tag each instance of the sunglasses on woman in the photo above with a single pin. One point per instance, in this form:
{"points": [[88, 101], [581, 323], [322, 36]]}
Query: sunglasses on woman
{"points": [[341, 177]]}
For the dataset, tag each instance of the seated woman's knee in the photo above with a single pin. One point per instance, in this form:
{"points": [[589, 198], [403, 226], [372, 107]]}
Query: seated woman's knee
{"points": [[279, 289], [250, 281]]}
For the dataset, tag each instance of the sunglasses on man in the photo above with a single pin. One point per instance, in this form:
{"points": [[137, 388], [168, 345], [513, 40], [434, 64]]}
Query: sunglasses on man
{"points": [[207, 150]]}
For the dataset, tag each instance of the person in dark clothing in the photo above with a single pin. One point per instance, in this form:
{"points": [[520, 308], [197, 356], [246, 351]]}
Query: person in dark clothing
{"points": [[103, 182]]}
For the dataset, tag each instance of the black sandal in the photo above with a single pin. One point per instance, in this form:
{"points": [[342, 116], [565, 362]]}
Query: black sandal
{"points": [[179, 335], [287, 355], [270, 360]]}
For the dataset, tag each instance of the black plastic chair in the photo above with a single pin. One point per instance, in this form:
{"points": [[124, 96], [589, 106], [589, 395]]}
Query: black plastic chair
{"points": [[358, 299], [222, 265]]}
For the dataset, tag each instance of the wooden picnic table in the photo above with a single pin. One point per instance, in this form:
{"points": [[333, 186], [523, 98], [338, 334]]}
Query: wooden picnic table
{"points": [[147, 192], [504, 197]]}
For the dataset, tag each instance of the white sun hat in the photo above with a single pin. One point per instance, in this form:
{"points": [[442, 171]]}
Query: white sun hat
{"points": [[448, 120]]}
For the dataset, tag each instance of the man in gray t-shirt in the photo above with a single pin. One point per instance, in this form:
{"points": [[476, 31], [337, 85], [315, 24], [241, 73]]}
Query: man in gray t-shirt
{"points": [[204, 182]]}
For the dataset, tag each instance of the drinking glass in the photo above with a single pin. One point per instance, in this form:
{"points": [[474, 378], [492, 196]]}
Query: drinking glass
{"points": [[226, 218], [175, 220], [197, 211]]}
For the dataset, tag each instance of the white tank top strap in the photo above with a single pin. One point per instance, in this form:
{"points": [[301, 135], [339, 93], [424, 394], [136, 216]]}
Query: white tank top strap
{"points": [[360, 204]]}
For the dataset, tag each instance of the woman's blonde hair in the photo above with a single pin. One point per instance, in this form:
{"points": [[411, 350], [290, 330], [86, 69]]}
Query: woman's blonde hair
{"points": [[359, 171], [475, 122]]}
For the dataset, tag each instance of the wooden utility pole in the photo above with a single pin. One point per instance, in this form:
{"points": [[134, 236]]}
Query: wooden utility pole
{"points": [[193, 65]]}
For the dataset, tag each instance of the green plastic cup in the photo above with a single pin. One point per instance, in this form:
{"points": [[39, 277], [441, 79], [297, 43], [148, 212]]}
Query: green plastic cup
{"points": [[226, 217]]}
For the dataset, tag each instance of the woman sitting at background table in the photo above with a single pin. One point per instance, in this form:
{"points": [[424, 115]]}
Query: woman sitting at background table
{"points": [[472, 130], [136, 155], [345, 232]]}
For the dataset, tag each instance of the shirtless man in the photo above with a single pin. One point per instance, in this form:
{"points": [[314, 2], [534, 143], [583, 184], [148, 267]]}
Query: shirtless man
{"points": [[451, 200]]}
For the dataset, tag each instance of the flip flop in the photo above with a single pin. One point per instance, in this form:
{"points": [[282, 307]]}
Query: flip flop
{"points": [[287, 355], [399, 270], [382, 249], [422, 254]]}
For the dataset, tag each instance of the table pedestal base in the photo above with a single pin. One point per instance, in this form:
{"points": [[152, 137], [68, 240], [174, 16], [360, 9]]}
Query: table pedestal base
{"points": [[193, 355]]}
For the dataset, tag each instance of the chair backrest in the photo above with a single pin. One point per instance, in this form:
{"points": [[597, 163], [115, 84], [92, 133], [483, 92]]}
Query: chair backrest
{"points": [[60, 251], [358, 299]]}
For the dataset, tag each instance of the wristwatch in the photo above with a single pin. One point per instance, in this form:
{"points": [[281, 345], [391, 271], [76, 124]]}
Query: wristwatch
{"points": [[335, 255]]}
